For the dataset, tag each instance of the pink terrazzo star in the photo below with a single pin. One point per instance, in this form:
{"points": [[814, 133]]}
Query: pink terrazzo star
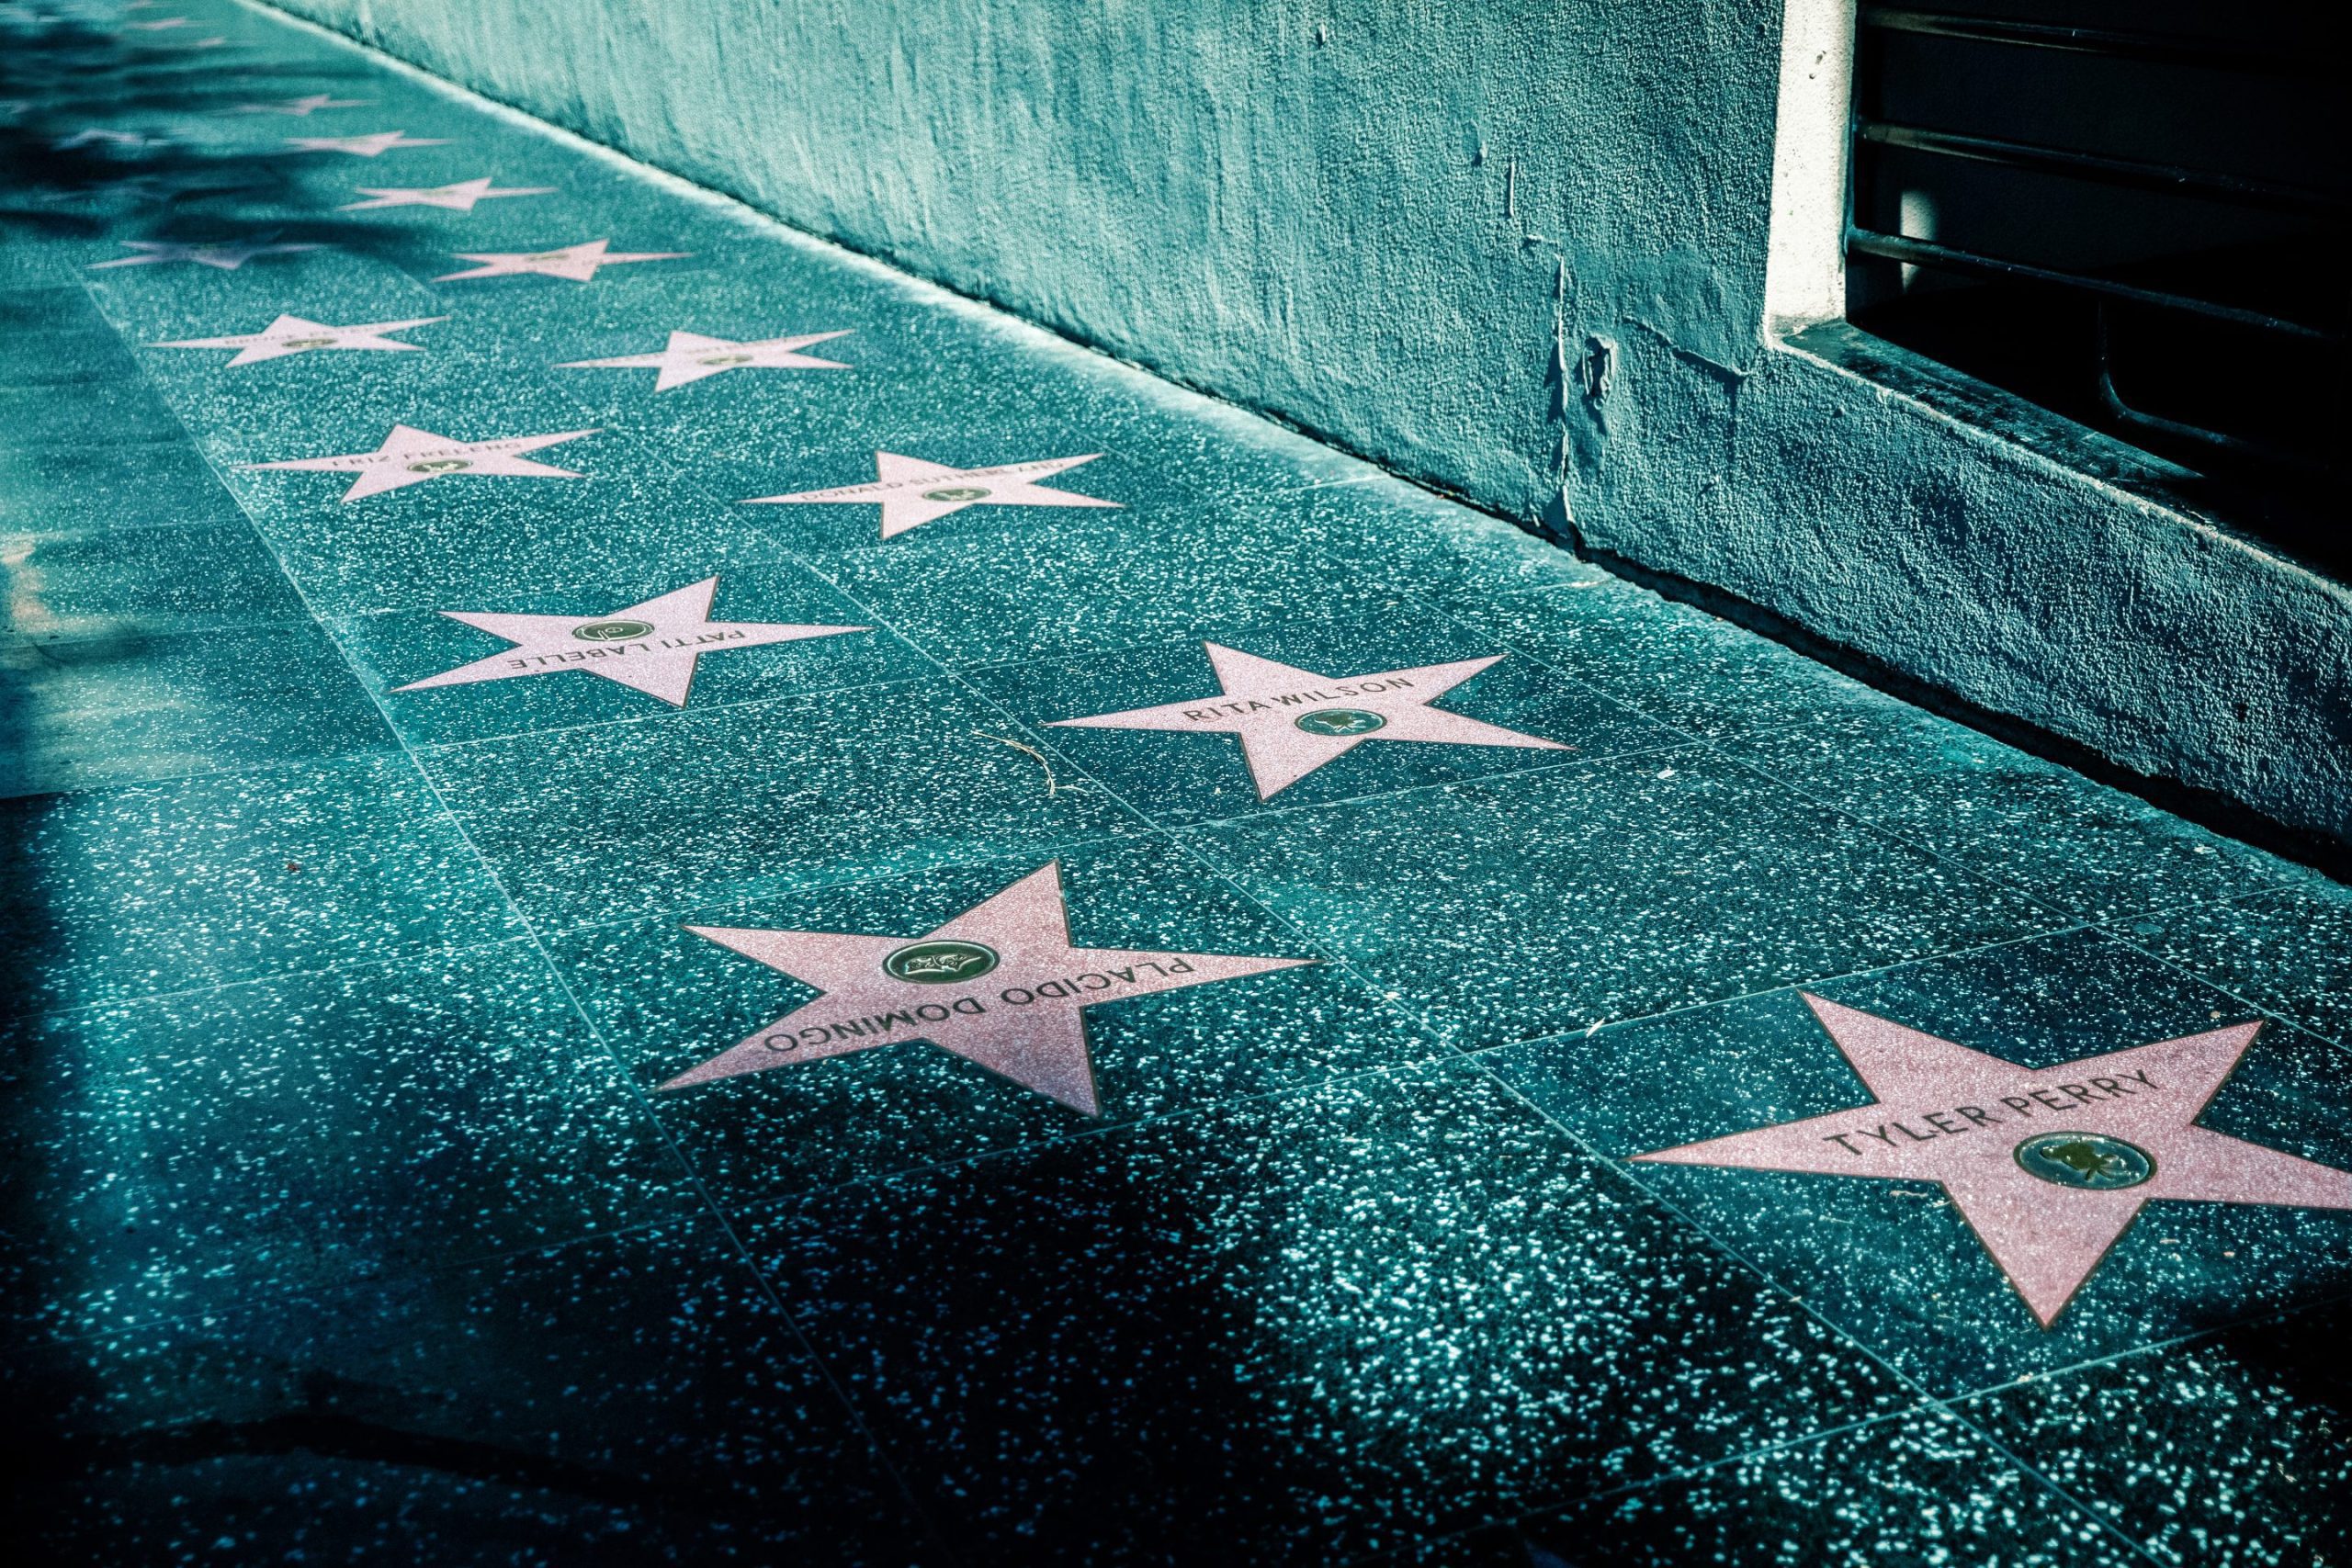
{"points": [[302, 108], [577, 263], [652, 646], [371, 146], [912, 493], [1292, 721], [410, 456], [1000, 984], [227, 256], [690, 356], [458, 197], [292, 334], [2049, 1167]]}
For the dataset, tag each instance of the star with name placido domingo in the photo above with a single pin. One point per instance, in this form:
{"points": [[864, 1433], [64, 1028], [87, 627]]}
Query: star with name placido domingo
{"points": [[1000, 984], [2048, 1165]]}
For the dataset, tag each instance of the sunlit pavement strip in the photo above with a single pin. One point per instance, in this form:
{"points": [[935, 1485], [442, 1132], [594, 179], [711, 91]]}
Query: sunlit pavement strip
{"points": [[1215, 1009]]}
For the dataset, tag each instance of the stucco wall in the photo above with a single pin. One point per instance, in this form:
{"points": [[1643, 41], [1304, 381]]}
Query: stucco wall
{"points": [[1514, 250]]}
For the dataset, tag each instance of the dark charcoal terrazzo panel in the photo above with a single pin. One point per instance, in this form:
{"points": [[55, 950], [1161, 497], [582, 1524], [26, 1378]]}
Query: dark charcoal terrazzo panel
{"points": [[1546, 901], [587, 827], [1917, 1489], [631, 1400], [1340, 1321], [2231, 1450], [190, 1152], [106, 895]]}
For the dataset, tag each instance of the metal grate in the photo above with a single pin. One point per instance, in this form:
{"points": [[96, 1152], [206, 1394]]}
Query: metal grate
{"points": [[2078, 256]]}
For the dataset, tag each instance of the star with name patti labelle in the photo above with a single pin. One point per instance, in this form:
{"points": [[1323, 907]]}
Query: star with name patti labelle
{"points": [[410, 456], [1000, 984], [1292, 721], [690, 356], [458, 197], [2049, 1167], [912, 493], [226, 254], [292, 334], [577, 263], [372, 146], [302, 108], [652, 646]]}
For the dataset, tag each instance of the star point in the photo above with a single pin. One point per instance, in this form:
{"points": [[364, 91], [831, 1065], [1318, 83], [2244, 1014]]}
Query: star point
{"points": [[458, 197], [292, 334], [1000, 984], [576, 263], [412, 457], [1291, 721], [2048, 1167], [912, 492], [652, 646], [691, 356]]}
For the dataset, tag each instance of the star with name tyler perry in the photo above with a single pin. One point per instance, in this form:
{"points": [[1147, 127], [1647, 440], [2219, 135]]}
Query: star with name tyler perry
{"points": [[691, 356], [1292, 721], [292, 334], [1000, 984], [458, 197], [371, 146], [410, 456], [912, 493], [227, 256], [2048, 1165], [652, 646], [577, 263]]}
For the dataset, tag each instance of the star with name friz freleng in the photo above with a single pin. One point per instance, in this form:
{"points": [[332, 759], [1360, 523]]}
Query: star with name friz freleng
{"points": [[1000, 984], [410, 456], [227, 256], [912, 493], [652, 646], [292, 334], [1291, 721], [691, 356], [458, 197], [2048, 1165], [371, 146], [576, 263]]}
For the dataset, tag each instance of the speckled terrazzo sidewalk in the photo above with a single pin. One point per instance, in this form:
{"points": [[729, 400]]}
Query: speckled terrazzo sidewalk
{"points": [[1088, 982]]}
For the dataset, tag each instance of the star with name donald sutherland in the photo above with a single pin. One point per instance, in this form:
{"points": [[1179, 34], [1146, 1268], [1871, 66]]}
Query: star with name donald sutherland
{"points": [[652, 646], [1002, 985], [1291, 721], [458, 197], [578, 264], [691, 356], [293, 334], [2048, 1165], [412, 457], [912, 493]]}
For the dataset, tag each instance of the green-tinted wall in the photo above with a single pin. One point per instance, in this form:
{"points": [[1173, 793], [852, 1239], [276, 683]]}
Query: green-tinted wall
{"points": [[1514, 250]]}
